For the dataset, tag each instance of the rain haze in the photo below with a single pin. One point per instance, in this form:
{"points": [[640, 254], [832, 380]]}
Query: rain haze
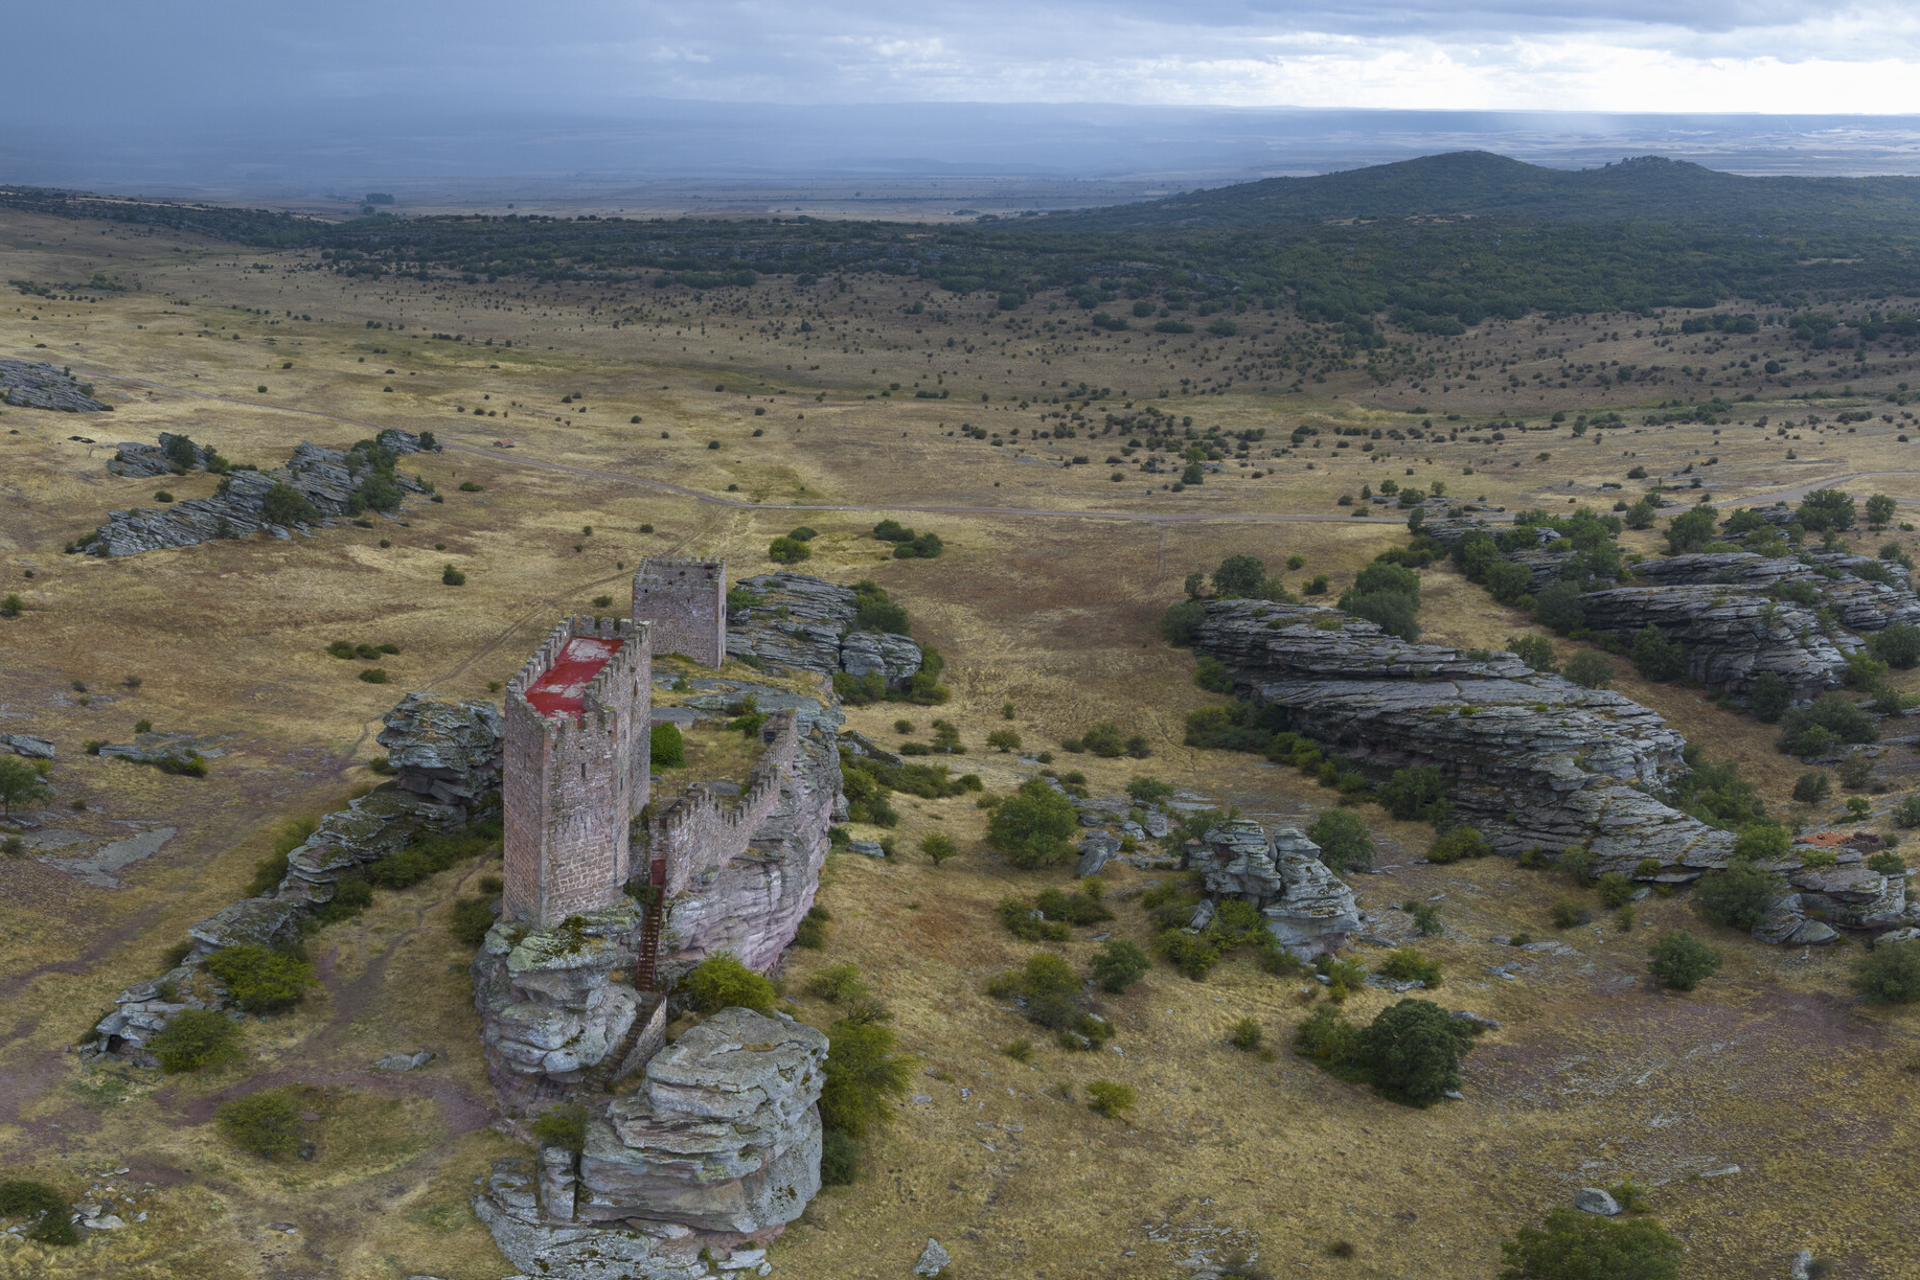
{"points": [[595, 97]]}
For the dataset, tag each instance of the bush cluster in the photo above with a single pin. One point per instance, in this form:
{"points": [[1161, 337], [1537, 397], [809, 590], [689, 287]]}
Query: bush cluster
{"points": [[261, 980], [1410, 1052], [722, 982], [433, 853]]}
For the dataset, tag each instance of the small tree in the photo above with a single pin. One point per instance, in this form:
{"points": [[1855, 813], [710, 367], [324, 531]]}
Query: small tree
{"points": [[284, 504], [668, 747], [1889, 974], [1240, 575], [1880, 510], [1004, 740], [1737, 898], [1413, 1051], [1680, 961], [863, 1070], [1590, 670], [1034, 826], [787, 550], [1771, 696], [1656, 657], [938, 846], [1343, 839], [1812, 787], [21, 783], [1119, 964], [1897, 645]]}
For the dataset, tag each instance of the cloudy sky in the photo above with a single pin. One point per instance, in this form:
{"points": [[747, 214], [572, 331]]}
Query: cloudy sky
{"points": [[148, 60]]}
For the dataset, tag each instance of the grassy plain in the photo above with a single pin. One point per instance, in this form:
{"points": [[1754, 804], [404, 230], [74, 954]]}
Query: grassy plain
{"points": [[1048, 597]]}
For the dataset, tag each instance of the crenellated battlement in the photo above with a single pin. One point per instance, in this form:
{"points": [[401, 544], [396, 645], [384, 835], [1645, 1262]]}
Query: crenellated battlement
{"points": [[698, 832], [575, 767], [686, 601]]}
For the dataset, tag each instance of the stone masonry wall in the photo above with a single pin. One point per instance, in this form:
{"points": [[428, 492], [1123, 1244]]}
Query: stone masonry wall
{"points": [[686, 601], [568, 789], [698, 833]]}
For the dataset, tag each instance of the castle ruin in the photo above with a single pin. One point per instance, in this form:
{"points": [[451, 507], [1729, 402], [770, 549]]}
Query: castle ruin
{"points": [[612, 891], [686, 601]]}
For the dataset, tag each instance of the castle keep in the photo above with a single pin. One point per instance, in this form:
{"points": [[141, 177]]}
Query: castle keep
{"points": [[686, 601], [576, 768]]}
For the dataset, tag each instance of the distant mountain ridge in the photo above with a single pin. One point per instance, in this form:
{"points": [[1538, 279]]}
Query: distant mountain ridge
{"points": [[1483, 184]]}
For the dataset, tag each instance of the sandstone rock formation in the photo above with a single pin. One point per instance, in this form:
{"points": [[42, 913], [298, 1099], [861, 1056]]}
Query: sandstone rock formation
{"points": [[1731, 634], [718, 1150], [808, 623], [38, 385], [448, 751], [1530, 759], [145, 461], [1309, 909], [322, 476]]}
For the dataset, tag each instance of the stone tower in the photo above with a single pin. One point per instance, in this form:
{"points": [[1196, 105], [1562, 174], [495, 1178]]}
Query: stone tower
{"points": [[686, 601], [576, 768]]}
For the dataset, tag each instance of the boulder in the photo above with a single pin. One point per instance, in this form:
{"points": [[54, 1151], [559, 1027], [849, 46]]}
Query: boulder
{"points": [[893, 657], [723, 1135], [1315, 911], [448, 751], [26, 744], [933, 1259], [1095, 852], [1595, 1200], [511, 1210], [262, 922]]}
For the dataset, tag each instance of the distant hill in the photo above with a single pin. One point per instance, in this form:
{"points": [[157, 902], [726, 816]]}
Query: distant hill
{"points": [[1481, 184]]}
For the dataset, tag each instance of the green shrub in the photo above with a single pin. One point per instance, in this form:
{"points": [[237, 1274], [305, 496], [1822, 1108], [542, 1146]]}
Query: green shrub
{"points": [[1028, 923], [452, 577], [1119, 964], [1566, 913], [12, 606], [1412, 1051], [1329, 1040], [1584, 1246], [1812, 787], [863, 1070], [1110, 1098], [50, 1211], [1415, 795], [722, 982], [195, 1038], [1738, 897], [1656, 657], [431, 854], [669, 749], [284, 504], [1888, 974], [1003, 740], [1081, 908], [938, 846], [1181, 623], [563, 1126], [1828, 719], [785, 550], [1034, 826], [351, 896], [1771, 697], [1681, 961], [1590, 670], [839, 1159], [1759, 841], [260, 980], [1459, 844], [812, 931], [471, 919], [1887, 863], [1343, 839], [839, 984], [1247, 1035], [1615, 890], [1020, 1049], [1192, 954], [1408, 965], [1897, 645], [1426, 918], [265, 1124], [1535, 651], [374, 675]]}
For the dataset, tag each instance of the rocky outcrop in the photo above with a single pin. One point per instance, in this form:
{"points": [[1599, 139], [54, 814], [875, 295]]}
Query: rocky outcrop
{"points": [[810, 624], [38, 385], [324, 477], [550, 1008], [1732, 635], [448, 751], [371, 827], [716, 1152], [1529, 759], [1309, 910], [27, 744], [145, 461], [723, 1135]]}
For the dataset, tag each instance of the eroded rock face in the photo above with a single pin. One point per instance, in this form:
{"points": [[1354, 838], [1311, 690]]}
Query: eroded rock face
{"points": [[447, 751], [808, 623], [38, 385], [1308, 908], [550, 1007], [723, 1136], [1530, 759], [1732, 634], [321, 475]]}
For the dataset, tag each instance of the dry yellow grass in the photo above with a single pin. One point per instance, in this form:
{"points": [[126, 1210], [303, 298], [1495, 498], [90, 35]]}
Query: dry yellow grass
{"points": [[1594, 1076]]}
